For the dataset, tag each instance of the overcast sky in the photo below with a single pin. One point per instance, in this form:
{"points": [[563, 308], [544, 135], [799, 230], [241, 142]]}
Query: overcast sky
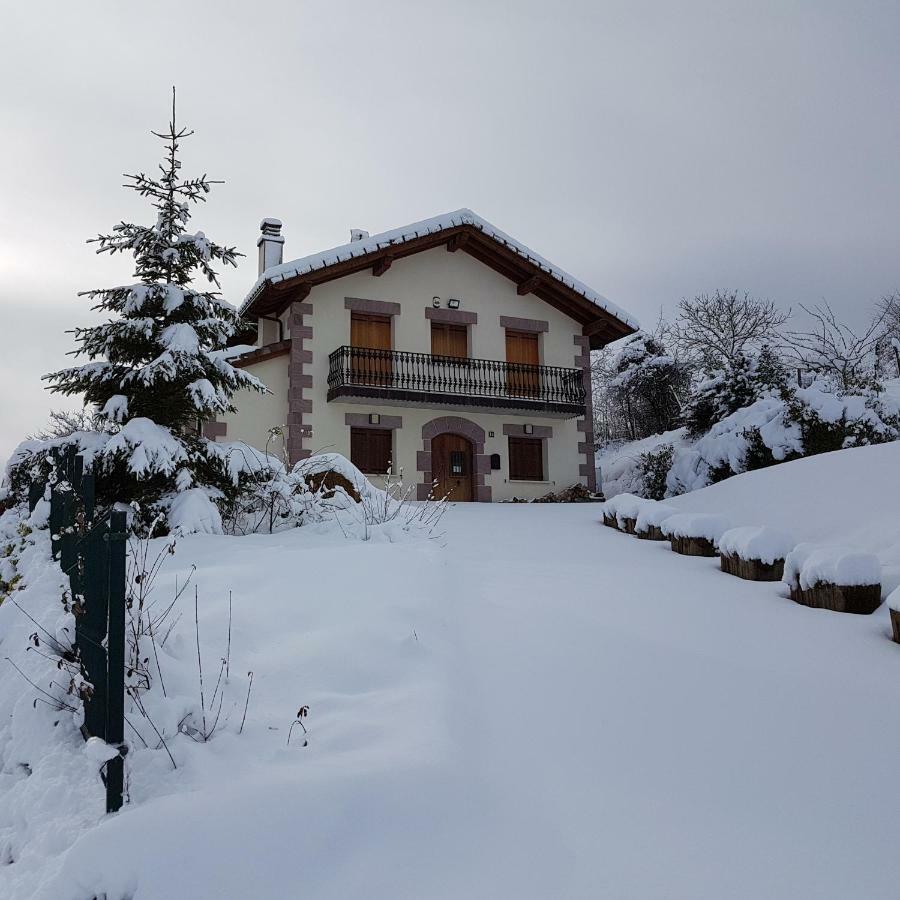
{"points": [[654, 150]]}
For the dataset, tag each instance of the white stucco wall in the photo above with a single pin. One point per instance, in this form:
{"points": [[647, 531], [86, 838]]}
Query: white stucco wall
{"points": [[413, 282], [257, 413]]}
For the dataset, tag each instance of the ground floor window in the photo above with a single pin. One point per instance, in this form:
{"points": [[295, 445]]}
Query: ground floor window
{"points": [[371, 450], [526, 459]]}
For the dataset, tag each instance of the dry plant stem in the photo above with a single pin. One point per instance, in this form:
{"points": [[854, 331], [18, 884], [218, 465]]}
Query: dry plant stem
{"points": [[199, 657], [246, 703], [142, 710], [55, 702], [228, 647]]}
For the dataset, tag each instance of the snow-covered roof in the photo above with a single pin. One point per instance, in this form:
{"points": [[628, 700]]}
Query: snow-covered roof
{"points": [[434, 225]]}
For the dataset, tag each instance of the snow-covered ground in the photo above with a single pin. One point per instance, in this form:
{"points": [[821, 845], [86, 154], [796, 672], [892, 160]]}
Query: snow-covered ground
{"points": [[533, 706]]}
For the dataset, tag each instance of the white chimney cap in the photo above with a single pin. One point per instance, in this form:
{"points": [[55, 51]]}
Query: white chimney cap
{"points": [[358, 234], [270, 226]]}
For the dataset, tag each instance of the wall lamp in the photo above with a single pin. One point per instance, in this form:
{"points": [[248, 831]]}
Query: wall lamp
{"points": [[453, 304], [435, 302]]}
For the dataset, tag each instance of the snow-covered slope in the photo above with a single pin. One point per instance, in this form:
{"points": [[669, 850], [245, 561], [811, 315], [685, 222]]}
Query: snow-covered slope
{"points": [[535, 706], [847, 497]]}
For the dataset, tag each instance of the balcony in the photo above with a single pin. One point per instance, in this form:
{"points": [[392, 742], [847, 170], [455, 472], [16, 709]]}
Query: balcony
{"points": [[395, 377]]}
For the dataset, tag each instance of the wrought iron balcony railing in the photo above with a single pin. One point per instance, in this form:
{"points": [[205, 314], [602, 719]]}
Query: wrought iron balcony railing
{"points": [[422, 377]]}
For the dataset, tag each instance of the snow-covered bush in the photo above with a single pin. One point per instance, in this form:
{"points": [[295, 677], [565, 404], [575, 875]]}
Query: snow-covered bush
{"points": [[653, 469], [738, 383], [646, 386], [779, 427]]}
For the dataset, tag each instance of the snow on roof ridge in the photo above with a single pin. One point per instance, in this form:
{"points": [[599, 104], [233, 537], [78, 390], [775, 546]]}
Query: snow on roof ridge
{"points": [[463, 216]]}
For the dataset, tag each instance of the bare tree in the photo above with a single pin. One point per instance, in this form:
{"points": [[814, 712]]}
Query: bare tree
{"points": [[833, 350], [64, 422], [715, 329], [888, 349]]}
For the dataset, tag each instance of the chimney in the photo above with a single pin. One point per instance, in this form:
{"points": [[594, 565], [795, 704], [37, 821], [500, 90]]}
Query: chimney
{"points": [[358, 234], [271, 244]]}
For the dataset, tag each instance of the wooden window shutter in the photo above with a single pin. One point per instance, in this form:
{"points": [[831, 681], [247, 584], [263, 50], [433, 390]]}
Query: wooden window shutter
{"points": [[371, 450], [526, 459]]}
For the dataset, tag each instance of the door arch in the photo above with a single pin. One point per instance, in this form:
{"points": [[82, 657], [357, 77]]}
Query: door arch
{"points": [[452, 464], [480, 466]]}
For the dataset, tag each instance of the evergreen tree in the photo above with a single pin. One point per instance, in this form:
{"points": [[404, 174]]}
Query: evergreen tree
{"points": [[153, 373]]}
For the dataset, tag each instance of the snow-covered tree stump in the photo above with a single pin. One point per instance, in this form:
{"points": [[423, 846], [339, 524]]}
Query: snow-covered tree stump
{"points": [[754, 552], [622, 511], [695, 534], [835, 578], [648, 524]]}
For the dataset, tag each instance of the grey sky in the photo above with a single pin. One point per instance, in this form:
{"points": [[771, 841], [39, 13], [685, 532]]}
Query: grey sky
{"points": [[654, 150]]}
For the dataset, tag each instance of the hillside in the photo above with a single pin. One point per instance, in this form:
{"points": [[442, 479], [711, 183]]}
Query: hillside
{"points": [[531, 706], [849, 497]]}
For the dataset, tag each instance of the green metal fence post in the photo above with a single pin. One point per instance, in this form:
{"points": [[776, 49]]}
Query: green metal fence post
{"points": [[91, 627], [68, 539], [115, 699]]}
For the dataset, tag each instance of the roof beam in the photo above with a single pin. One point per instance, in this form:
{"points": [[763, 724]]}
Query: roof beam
{"points": [[382, 265], [457, 241], [528, 286]]}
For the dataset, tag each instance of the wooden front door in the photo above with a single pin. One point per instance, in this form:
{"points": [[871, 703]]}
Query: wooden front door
{"points": [[451, 467], [523, 356], [370, 333]]}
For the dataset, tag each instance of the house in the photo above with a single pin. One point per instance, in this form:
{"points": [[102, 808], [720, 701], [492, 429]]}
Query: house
{"points": [[445, 350]]}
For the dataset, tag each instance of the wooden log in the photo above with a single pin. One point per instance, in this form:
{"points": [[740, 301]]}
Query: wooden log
{"points": [[693, 546], [895, 624], [752, 569], [859, 599], [629, 526], [652, 533], [610, 521]]}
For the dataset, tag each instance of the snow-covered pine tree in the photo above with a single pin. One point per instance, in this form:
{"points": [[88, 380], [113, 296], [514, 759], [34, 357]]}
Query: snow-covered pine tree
{"points": [[154, 373]]}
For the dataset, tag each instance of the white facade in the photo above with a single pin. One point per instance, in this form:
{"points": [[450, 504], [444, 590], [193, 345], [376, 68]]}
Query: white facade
{"points": [[411, 288]]}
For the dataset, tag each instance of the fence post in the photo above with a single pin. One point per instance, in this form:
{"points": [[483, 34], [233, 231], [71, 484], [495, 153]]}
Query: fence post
{"points": [[115, 699], [91, 627], [68, 555], [56, 515]]}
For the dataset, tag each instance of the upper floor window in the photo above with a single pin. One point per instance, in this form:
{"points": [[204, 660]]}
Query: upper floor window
{"points": [[449, 340], [370, 331], [523, 354]]}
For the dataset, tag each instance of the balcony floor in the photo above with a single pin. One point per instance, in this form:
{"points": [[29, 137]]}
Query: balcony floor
{"points": [[516, 406]]}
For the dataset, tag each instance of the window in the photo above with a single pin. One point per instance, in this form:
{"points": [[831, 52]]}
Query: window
{"points": [[526, 459], [523, 358], [449, 340], [371, 450], [370, 356]]}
